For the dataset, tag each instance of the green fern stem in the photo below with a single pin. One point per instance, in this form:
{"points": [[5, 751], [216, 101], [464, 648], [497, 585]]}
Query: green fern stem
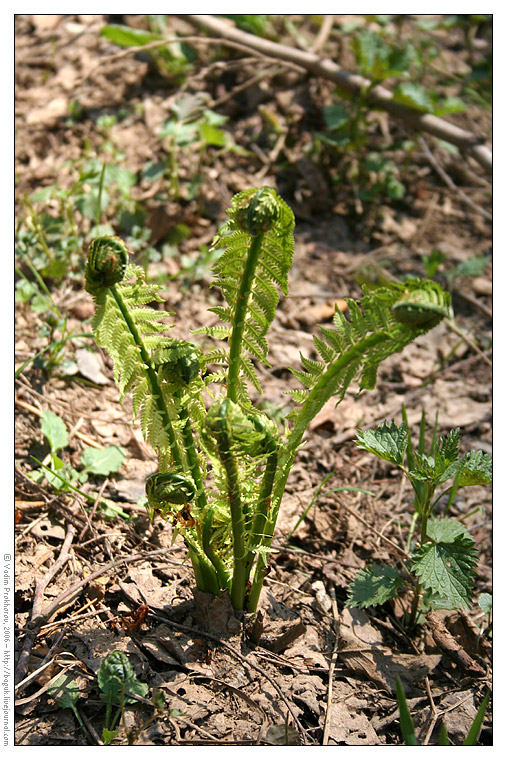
{"points": [[223, 575], [322, 391], [191, 454], [239, 577], [240, 312], [263, 526], [204, 571], [152, 377]]}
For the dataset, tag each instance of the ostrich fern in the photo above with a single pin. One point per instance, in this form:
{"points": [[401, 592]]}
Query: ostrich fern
{"points": [[227, 516]]}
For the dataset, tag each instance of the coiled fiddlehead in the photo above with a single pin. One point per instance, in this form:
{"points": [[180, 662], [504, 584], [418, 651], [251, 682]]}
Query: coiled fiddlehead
{"points": [[168, 488], [422, 308], [256, 211], [107, 261]]}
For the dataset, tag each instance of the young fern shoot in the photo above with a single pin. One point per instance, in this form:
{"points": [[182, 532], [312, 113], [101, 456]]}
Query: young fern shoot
{"points": [[222, 472]]}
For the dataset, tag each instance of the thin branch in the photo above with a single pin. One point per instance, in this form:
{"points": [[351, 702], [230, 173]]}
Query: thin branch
{"points": [[354, 84], [448, 181], [39, 617], [153, 45]]}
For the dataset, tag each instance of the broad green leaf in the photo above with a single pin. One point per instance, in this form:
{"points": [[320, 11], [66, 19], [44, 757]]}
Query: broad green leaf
{"points": [[387, 442], [451, 104], [114, 671], [443, 465], [153, 170], [373, 585], [65, 692], [336, 116], [413, 95], [485, 602], [86, 203], [448, 566], [212, 135], [127, 36], [108, 736], [446, 531], [103, 461], [119, 175], [53, 427]]}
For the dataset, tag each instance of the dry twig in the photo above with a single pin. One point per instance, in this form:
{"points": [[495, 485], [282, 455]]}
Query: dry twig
{"points": [[377, 97]]}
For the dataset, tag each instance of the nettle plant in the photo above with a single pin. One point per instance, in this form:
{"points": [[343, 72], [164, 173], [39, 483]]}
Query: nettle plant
{"points": [[441, 551], [223, 464]]}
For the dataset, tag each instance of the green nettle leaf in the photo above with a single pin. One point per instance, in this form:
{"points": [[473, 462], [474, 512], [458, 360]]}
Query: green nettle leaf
{"points": [[53, 427], [447, 566], [475, 469], [373, 585], [103, 461], [108, 736], [441, 466], [427, 469], [386, 442], [445, 530], [413, 95]]}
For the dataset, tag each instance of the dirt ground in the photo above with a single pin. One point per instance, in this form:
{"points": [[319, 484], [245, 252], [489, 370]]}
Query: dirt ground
{"points": [[311, 671]]}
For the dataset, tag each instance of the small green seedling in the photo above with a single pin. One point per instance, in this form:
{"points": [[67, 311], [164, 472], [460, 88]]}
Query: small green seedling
{"points": [[485, 602], [408, 728], [116, 677], [63, 477], [444, 558], [222, 463], [65, 691]]}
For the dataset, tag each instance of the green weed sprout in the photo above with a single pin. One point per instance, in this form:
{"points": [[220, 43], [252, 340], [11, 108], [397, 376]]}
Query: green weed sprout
{"points": [[223, 467], [408, 728], [445, 557]]}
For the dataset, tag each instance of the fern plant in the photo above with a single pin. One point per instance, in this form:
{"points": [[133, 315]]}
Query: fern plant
{"points": [[223, 464]]}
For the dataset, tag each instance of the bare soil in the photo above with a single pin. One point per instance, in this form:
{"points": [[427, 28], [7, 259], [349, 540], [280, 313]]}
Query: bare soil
{"points": [[310, 670]]}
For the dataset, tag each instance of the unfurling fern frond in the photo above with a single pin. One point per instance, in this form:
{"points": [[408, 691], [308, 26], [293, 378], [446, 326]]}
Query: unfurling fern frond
{"points": [[378, 326], [107, 260], [256, 261], [130, 332], [113, 332]]}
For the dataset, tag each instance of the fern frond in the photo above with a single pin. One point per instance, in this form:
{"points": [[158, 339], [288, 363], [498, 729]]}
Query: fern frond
{"points": [[354, 348], [255, 263]]}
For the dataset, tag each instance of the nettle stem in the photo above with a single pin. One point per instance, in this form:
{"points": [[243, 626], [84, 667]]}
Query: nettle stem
{"points": [[152, 377], [240, 312]]}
